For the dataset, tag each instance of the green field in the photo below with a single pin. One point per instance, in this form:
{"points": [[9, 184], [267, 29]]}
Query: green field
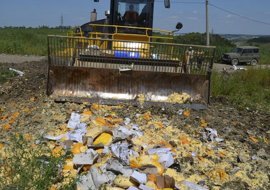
{"points": [[26, 41], [249, 88], [264, 53]]}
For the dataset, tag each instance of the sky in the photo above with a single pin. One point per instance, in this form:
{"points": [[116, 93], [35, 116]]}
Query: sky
{"points": [[225, 16]]}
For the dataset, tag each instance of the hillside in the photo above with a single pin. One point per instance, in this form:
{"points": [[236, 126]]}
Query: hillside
{"points": [[200, 39], [261, 39]]}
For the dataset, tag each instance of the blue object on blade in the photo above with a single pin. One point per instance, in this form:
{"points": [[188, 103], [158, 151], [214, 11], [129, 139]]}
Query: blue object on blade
{"points": [[126, 54]]}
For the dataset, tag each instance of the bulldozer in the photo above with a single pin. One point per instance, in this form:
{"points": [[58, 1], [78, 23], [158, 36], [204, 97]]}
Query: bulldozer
{"points": [[122, 58]]}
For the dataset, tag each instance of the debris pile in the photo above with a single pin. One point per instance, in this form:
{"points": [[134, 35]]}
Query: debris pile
{"points": [[120, 147], [144, 153], [110, 152]]}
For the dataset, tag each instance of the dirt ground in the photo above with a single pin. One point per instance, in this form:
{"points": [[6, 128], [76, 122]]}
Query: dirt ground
{"points": [[246, 133]]}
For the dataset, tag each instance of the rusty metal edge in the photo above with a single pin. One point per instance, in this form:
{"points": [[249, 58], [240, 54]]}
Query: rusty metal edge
{"points": [[147, 104]]}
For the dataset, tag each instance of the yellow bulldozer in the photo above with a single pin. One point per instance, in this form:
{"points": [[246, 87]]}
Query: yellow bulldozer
{"points": [[122, 58]]}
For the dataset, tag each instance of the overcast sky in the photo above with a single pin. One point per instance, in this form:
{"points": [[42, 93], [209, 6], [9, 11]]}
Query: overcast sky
{"points": [[76, 12]]}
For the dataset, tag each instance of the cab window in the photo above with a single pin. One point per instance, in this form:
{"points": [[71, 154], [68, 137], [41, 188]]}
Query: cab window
{"points": [[133, 12]]}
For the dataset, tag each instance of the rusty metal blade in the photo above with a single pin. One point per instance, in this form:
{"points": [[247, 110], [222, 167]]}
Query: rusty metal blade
{"points": [[102, 83]]}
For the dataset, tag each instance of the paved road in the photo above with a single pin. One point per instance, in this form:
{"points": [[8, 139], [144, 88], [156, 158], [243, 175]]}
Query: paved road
{"points": [[5, 58]]}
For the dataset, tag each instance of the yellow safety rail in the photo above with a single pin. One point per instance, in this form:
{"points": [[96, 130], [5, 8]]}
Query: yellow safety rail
{"points": [[112, 31]]}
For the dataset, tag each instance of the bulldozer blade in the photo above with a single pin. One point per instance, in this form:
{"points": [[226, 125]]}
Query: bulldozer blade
{"points": [[111, 86], [113, 71]]}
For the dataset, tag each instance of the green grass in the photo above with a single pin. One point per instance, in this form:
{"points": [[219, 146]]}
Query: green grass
{"points": [[249, 88], [5, 75], [264, 53], [25, 166], [26, 41]]}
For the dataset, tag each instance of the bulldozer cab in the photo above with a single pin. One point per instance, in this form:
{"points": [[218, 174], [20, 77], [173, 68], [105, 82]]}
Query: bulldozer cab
{"points": [[122, 58], [132, 13]]}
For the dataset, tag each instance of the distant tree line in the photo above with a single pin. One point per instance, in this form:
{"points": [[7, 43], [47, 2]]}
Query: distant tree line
{"points": [[222, 45], [39, 27], [261, 39], [200, 39]]}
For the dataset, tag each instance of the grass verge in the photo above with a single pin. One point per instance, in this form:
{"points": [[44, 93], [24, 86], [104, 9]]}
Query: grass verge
{"points": [[264, 53], [249, 88]]}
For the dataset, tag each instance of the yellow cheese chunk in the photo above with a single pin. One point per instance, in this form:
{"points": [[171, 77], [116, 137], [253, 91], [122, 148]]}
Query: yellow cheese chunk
{"points": [[103, 139]]}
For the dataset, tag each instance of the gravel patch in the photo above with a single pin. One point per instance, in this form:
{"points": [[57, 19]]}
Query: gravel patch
{"points": [[5, 58]]}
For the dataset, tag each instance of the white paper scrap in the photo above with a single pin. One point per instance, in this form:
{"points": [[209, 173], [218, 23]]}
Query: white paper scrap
{"points": [[193, 186], [165, 156], [127, 121], [20, 73], [139, 177], [212, 135], [78, 133], [101, 178], [132, 188], [122, 151], [144, 187], [124, 133], [159, 150], [56, 138], [86, 158], [115, 166], [166, 159], [76, 136], [86, 182], [74, 120]]}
